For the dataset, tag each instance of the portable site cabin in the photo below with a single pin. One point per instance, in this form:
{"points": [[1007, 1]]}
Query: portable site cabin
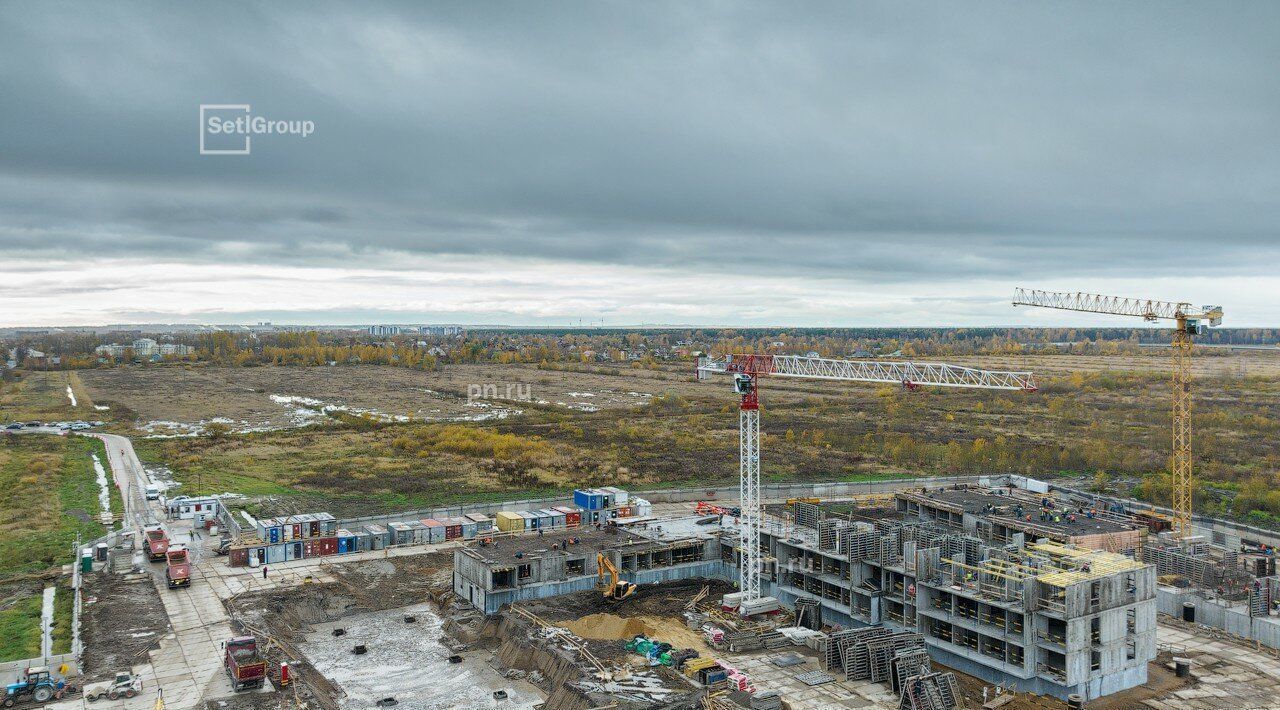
{"points": [[379, 536], [346, 541], [362, 540], [558, 519], [328, 545], [421, 535], [509, 521], [530, 520], [641, 507], [401, 533], [275, 554], [269, 530], [311, 547], [483, 522], [435, 530], [588, 499], [469, 529], [572, 516], [293, 550], [301, 525], [546, 518], [328, 525], [619, 496], [452, 528]]}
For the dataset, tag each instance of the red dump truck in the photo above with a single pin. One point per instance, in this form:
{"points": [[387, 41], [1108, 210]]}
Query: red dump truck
{"points": [[244, 666], [156, 541], [178, 571]]}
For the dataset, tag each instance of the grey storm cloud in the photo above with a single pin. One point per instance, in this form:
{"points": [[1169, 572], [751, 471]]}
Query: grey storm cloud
{"points": [[894, 141]]}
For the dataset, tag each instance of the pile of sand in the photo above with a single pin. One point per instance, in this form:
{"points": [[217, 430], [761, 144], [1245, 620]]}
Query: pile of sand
{"points": [[611, 627]]}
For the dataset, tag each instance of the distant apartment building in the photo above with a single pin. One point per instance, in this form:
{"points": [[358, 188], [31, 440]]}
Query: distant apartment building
{"points": [[385, 330], [145, 348], [440, 330]]}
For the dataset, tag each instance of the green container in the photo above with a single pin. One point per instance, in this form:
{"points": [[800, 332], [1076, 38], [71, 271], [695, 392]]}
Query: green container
{"points": [[86, 561]]}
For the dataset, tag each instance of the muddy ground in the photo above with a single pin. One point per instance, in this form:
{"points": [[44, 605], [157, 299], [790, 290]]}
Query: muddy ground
{"points": [[122, 619], [282, 617]]}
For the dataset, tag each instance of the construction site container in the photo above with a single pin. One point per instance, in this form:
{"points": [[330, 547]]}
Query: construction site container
{"points": [[379, 537], [623, 511], [311, 548], [421, 535], [548, 518], [452, 528], [293, 550], [269, 530], [275, 554], [328, 545], [588, 499], [618, 496], [86, 560], [328, 525], [238, 556], [469, 529], [346, 541], [401, 533], [509, 522], [641, 507], [435, 530], [483, 522], [361, 541], [572, 516], [302, 525], [292, 528], [530, 520]]}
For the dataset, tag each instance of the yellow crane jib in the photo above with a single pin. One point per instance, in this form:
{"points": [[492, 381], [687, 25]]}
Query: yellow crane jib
{"points": [[1189, 322]]}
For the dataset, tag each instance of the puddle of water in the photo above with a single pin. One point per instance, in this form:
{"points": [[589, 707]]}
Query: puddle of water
{"points": [[71, 396], [408, 662], [104, 492]]}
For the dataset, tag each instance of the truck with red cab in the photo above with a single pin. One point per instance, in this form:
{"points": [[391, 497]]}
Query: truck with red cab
{"points": [[178, 571], [157, 542], [244, 666]]}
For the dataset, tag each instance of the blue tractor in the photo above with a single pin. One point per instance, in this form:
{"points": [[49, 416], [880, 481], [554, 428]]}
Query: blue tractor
{"points": [[36, 685]]}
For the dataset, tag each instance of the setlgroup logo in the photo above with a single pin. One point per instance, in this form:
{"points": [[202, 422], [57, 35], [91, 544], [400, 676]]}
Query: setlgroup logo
{"points": [[229, 129]]}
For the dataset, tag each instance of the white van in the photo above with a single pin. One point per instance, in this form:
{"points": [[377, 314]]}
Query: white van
{"points": [[153, 491]]}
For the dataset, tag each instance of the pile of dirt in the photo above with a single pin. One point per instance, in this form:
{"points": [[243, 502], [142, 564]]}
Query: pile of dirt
{"points": [[121, 621], [614, 627], [665, 600]]}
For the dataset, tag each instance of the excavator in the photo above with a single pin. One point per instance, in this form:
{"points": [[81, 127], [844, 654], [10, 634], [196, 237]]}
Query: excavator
{"points": [[617, 589]]}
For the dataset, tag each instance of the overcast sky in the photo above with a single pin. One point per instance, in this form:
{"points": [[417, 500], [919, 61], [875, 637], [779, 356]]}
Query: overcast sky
{"points": [[690, 163]]}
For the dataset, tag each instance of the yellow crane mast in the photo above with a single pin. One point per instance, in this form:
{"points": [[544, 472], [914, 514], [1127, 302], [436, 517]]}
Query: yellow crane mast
{"points": [[1189, 322]]}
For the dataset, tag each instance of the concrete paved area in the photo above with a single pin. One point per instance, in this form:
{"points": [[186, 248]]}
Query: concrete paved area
{"points": [[1230, 675], [187, 668]]}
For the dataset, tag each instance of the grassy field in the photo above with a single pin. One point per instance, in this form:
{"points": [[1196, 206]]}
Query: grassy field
{"points": [[20, 627], [1101, 417], [51, 495], [42, 396]]}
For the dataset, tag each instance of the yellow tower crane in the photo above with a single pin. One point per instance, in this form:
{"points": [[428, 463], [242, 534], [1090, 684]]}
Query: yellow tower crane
{"points": [[1189, 322]]}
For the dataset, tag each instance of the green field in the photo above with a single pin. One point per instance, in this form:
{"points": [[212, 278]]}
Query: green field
{"points": [[51, 496], [20, 628]]}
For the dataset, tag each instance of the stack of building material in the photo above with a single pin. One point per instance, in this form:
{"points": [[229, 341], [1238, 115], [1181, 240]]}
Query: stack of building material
{"points": [[744, 641], [931, 691], [809, 613], [774, 639], [905, 664], [766, 700]]}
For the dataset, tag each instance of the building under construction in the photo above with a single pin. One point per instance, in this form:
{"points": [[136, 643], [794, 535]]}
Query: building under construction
{"points": [[1001, 583], [1050, 604]]}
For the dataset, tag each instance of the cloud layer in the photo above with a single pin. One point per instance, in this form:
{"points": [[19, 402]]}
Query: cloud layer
{"points": [[820, 164]]}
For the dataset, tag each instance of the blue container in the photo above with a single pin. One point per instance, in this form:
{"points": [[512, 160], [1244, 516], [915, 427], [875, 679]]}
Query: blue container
{"points": [[588, 499]]}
